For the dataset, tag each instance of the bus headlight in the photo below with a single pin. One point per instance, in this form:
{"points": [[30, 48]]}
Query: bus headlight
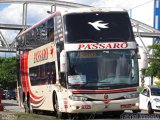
{"points": [[77, 98], [137, 104], [133, 95]]}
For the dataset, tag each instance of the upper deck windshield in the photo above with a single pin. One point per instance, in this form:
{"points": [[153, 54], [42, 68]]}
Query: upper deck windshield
{"points": [[102, 69], [98, 27]]}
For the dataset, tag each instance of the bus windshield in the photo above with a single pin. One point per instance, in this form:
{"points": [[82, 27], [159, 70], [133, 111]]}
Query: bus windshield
{"points": [[98, 27], [102, 69]]}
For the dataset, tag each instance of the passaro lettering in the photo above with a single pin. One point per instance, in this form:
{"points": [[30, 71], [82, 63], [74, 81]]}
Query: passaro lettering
{"points": [[103, 46], [41, 55]]}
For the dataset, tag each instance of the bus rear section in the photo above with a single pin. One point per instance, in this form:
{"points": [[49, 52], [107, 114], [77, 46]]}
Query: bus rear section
{"points": [[22, 75]]}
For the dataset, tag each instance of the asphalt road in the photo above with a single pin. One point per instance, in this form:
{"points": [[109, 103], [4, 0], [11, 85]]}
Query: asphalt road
{"points": [[11, 107]]}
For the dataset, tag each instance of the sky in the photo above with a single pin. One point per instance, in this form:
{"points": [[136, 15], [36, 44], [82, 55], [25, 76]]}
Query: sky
{"points": [[11, 13]]}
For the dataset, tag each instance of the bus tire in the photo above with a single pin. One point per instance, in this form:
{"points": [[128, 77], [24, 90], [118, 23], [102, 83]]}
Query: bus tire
{"points": [[29, 106], [59, 115]]}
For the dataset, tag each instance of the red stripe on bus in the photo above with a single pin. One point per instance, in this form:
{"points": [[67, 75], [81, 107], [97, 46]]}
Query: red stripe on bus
{"points": [[36, 102], [23, 73], [103, 91]]}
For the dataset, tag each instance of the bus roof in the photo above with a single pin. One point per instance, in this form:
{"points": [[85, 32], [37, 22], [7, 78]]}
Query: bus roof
{"points": [[92, 9], [36, 24], [72, 11]]}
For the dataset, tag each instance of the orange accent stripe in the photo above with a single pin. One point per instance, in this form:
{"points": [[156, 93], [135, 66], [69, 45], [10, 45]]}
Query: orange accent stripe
{"points": [[23, 73]]}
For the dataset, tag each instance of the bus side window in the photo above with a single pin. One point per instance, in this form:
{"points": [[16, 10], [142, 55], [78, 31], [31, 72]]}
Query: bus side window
{"points": [[51, 73], [50, 29], [53, 76]]}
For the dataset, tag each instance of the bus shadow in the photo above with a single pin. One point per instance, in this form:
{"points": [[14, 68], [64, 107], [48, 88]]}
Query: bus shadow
{"points": [[9, 104]]}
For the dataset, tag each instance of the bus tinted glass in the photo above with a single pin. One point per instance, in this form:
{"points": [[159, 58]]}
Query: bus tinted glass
{"points": [[98, 27], [43, 74], [103, 69]]}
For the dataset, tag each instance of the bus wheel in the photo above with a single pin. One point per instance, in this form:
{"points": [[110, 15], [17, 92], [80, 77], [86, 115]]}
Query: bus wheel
{"points": [[59, 115], [29, 106]]}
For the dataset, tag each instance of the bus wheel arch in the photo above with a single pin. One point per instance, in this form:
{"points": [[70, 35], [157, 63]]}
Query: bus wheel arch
{"points": [[53, 99], [58, 114]]}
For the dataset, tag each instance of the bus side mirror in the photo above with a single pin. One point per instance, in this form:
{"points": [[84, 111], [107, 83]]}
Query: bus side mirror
{"points": [[63, 61]]}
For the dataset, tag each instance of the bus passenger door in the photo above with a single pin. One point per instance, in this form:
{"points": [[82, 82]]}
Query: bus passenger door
{"points": [[51, 76]]}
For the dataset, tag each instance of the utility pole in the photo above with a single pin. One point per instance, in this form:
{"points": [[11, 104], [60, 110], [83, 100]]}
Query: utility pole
{"points": [[156, 18], [156, 25], [157, 14]]}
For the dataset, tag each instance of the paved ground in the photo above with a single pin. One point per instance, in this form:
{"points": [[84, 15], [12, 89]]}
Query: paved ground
{"points": [[12, 111], [12, 106]]}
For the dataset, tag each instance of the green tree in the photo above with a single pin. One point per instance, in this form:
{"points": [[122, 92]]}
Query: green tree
{"points": [[8, 72], [154, 63]]}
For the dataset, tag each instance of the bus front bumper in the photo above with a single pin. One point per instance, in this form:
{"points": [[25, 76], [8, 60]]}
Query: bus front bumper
{"points": [[102, 106]]}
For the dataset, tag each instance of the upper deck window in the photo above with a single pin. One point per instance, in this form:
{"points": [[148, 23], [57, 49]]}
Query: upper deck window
{"points": [[98, 27]]}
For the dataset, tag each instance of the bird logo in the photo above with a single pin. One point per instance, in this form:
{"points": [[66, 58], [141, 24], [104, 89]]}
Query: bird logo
{"points": [[99, 24]]}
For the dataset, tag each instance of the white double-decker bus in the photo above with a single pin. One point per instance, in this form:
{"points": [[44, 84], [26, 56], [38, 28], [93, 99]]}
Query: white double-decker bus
{"points": [[79, 61]]}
